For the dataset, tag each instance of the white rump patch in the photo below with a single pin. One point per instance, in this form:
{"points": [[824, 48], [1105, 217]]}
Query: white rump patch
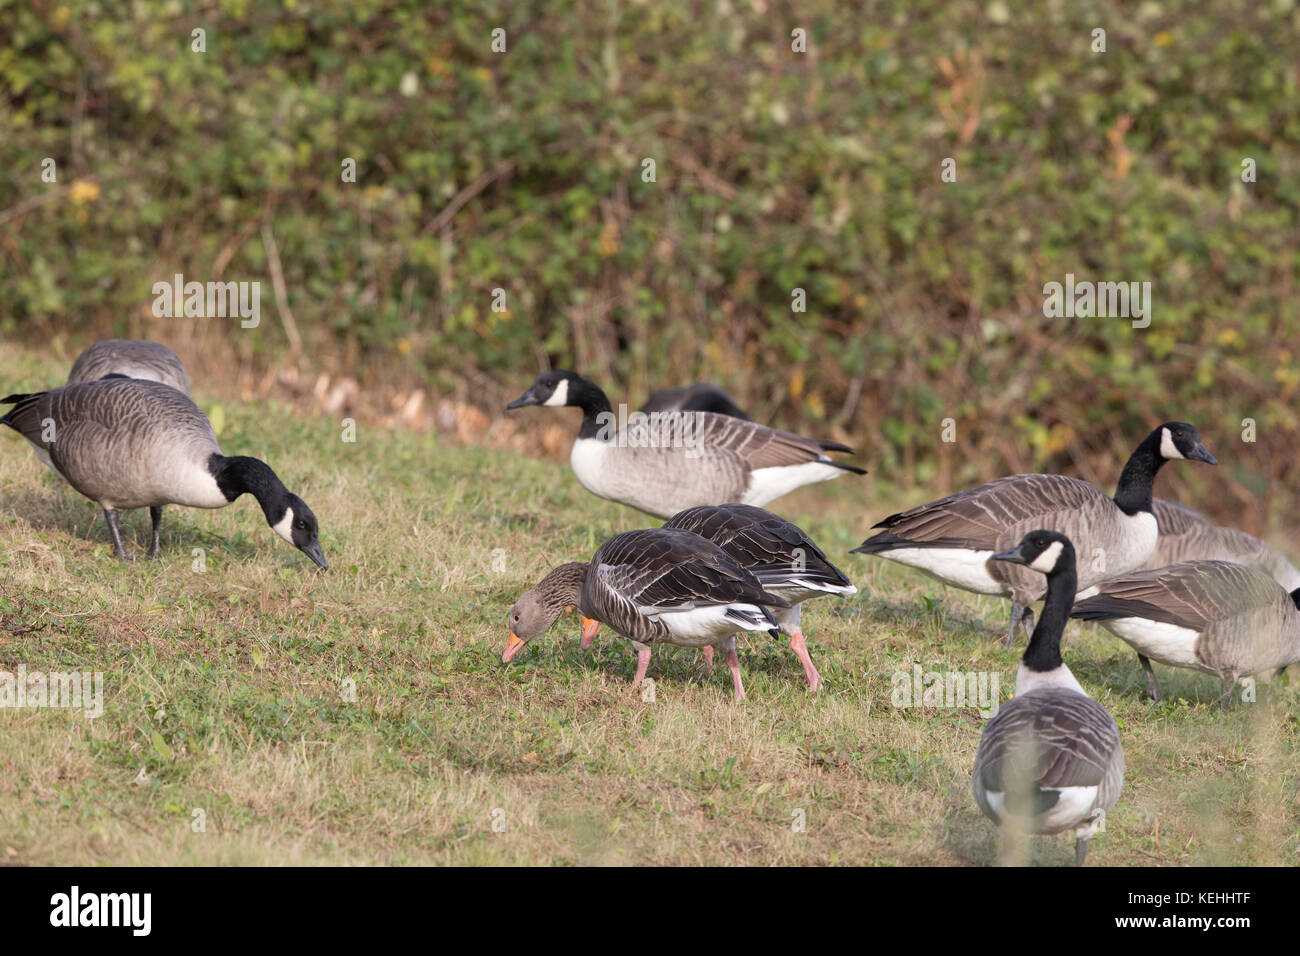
{"points": [[768, 484], [284, 527], [1167, 447], [1073, 806], [561, 394], [701, 626], [1046, 562], [960, 567], [1166, 643]]}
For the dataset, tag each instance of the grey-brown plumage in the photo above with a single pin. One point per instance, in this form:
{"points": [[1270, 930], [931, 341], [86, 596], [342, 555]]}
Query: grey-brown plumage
{"points": [[1187, 535], [141, 359], [1220, 617], [700, 397], [951, 539], [132, 443], [658, 586], [1036, 745], [670, 461], [1050, 759], [780, 555]]}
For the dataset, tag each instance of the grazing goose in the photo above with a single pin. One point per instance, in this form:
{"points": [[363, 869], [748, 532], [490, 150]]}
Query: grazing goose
{"points": [[134, 359], [677, 460], [784, 560], [700, 397], [129, 443], [1187, 535], [953, 538], [1050, 759], [1215, 616], [654, 586]]}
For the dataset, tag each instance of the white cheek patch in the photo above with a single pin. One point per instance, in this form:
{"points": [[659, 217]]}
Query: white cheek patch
{"points": [[561, 394], [1167, 447], [1046, 561], [284, 527]]}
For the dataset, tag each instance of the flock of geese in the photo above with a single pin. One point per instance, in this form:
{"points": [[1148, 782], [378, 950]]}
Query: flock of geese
{"points": [[1158, 575]]}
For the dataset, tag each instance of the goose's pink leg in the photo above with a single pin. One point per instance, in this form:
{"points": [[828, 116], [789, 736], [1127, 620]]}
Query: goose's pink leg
{"points": [[733, 662], [642, 662], [801, 651], [708, 657]]}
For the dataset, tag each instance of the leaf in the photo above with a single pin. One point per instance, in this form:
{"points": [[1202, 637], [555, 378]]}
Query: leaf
{"points": [[160, 746]]}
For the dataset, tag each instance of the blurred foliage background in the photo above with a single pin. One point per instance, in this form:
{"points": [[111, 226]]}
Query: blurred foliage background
{"points": [[774, 170]]}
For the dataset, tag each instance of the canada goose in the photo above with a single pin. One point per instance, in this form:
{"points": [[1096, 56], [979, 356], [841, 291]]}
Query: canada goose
{"points": [[700, 397], [1187, 535], [1215, 616], [130, 443], [134, 359], [674, 460], [1050, 759], [784, 560], [654, 586], [953, 538]]}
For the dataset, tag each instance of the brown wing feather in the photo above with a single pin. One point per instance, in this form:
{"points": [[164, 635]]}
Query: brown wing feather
{"points": [[1192, 595], [766, 544], [977, 517], [665, 568]]}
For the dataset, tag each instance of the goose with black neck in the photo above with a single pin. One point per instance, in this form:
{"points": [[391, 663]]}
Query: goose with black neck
{"points": [[1050, 759], [665, 462], [952, 539], [130, 443]]}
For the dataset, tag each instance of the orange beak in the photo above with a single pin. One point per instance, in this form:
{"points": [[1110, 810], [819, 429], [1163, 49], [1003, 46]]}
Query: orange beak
{"points": [[589, 628], [512, 647]]}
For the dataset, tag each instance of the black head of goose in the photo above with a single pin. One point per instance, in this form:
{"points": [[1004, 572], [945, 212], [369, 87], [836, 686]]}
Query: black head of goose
{"points": [[1220, 617], [1050, 759], [953, 538], [700, 397], [780, 555], [1187, 535], [142, 359], [667, 461], [130, 443]]}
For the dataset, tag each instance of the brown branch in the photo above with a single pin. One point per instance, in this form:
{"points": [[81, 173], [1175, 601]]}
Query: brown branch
{"points": [[486, 179], [281, 293]]}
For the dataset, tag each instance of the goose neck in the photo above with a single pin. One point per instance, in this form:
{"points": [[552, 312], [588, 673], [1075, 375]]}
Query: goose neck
{"points": [[598, 420], [1133, 493], [1044, 650], [562, 588], [238, 474]]}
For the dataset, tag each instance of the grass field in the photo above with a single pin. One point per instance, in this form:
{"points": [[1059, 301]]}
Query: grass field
{"points": [[226, 689]]}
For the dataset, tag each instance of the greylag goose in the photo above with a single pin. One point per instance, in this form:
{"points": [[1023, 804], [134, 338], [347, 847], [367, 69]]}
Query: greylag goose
{"points": [[658, 586]]}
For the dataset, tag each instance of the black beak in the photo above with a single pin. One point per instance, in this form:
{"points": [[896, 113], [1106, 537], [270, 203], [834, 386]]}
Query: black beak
{"points": [[528, 398], [1014, 555], [1199, 453], [314, 552]]}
